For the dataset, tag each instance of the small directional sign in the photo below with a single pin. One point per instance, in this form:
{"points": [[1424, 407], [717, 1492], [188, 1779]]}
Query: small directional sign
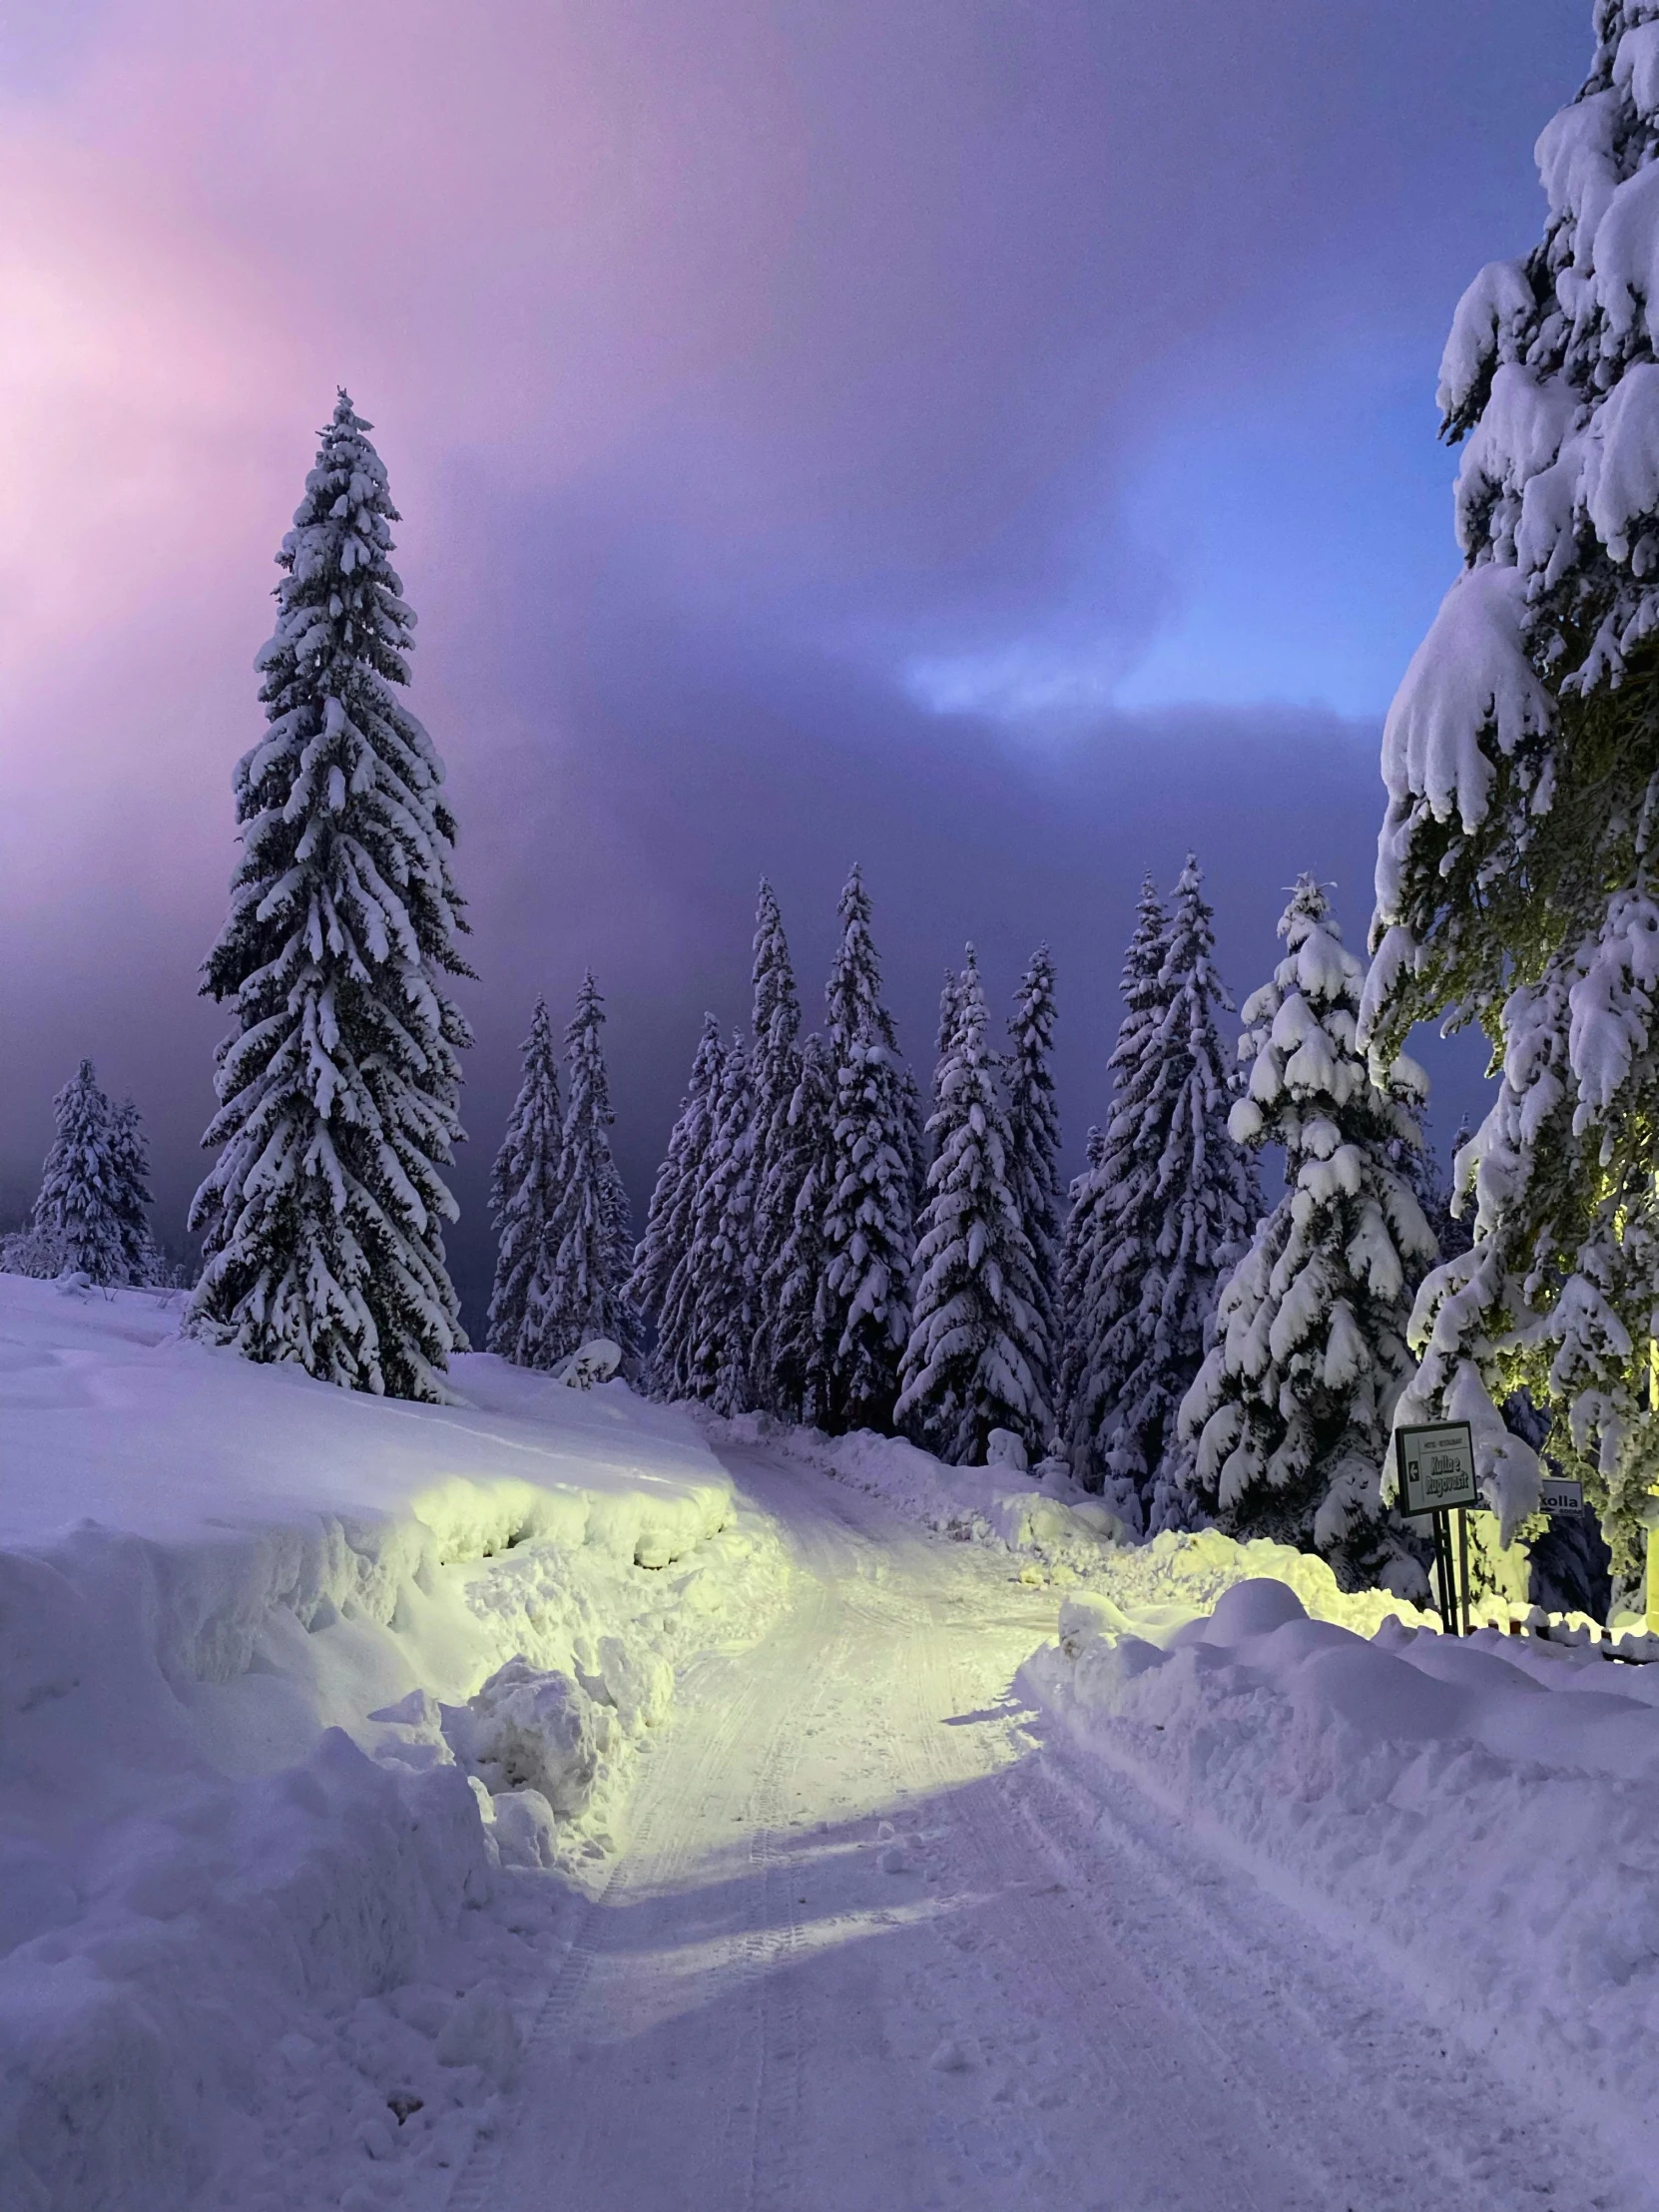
{"points": [[1556, 1495], [1437, 1467]]}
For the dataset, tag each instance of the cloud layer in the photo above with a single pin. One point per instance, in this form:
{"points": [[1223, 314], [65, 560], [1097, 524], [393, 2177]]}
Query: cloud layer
{"points": [[755, 381]]}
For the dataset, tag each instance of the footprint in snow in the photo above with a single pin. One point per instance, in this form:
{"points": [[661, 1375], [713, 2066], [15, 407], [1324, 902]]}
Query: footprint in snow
{"points": [[953, 2057]]}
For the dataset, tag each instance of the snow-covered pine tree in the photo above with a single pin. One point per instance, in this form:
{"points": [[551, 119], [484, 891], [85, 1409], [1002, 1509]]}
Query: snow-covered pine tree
{"points": [[1033, 1151], [729, 1304], [524, 1193], [912, 1125], [1107, 1228], [668, 1217], [77, 1210], [1104, 1251], [1071, 1270], [775, 1073], [702, 1329], [131, 1197], [795, 1301], [1171, 1207], [580, 1296], [977, 1355], [1291, 1410], [868, 1222], [1206, 1202], [1515, 867], [950, 1007], [672, 1217], [338, 1092], [619, 1215]]}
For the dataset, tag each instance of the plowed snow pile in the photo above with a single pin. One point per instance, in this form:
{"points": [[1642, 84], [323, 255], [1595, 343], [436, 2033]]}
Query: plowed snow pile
{"points": [[1479, 1811], [300, 1694]]}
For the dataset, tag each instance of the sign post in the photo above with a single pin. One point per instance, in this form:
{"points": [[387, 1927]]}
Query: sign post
{"points": [[1435, 1467]]}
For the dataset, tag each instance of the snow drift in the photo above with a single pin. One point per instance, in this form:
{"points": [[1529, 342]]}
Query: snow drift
{"points": [[299, 1694], [1479, 1813], [1062, 1534]]}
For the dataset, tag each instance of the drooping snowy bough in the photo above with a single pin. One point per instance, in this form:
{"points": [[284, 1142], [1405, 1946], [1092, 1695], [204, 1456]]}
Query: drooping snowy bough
{"points": [[1521, 758], [338, 1091], [1291, 1410]]}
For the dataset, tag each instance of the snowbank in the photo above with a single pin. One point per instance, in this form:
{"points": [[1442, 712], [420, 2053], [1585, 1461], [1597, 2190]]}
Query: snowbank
{"points": [[299, 1694], [1479, 1811], [1061, 1534], [1045, 1520]]}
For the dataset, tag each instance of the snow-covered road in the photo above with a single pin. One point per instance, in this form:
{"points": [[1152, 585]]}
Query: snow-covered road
{"points": [[867, 1950]]}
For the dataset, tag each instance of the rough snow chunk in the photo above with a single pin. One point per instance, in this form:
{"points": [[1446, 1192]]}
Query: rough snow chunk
{"points": [[482, 2032], [526, 1832], [595, 1361], [531, 1729]]}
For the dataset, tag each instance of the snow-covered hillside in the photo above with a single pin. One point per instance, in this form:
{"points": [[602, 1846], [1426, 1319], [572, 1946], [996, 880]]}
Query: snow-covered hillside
{"points": [[268, 1806]]}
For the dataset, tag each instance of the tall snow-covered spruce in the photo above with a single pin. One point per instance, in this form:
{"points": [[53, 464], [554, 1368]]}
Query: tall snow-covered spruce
{"points": [[338, 1090], [1167, 1210], [1033, 1151], [130, 1161], [711, 1296], [978, 1357], [668, 1218], [524, 1198], [79, 1214], [1100, 1257], [794, 1296], [1515, 867], [775, 1166], [1291, 1410], [584, 1297], [659, 1285], [870, 1207]]}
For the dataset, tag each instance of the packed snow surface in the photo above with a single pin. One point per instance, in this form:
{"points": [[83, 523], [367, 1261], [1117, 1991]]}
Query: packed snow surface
{"points": [[875, 1946], [542, 1800]]}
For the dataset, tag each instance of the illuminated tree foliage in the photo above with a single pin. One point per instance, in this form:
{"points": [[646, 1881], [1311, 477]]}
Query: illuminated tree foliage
{"points": [[1514, 882]]}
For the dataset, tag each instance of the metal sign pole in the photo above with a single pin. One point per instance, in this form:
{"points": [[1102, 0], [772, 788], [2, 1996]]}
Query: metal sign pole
{"points": [[1443, 1573], [1464, 1561]]}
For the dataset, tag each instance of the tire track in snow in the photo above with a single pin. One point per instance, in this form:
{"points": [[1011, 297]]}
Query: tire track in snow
{"points": [[650, 1858]]}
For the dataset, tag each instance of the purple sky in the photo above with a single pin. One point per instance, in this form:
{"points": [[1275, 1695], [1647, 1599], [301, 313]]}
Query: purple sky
{"points": [[991, 439]]}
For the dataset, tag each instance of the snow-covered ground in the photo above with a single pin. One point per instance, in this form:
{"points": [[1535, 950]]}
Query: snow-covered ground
{"points": [[255, 1924], [876, 1946], [549, 1800]]}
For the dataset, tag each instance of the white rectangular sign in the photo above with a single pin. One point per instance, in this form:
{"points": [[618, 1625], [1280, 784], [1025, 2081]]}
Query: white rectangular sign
{"points": [[1437, 1467], [1556, 1495]]}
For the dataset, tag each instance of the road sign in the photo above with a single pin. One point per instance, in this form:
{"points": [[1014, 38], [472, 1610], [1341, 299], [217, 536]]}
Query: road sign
{"points": [[1556, 1495], [1437, 1467]]}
